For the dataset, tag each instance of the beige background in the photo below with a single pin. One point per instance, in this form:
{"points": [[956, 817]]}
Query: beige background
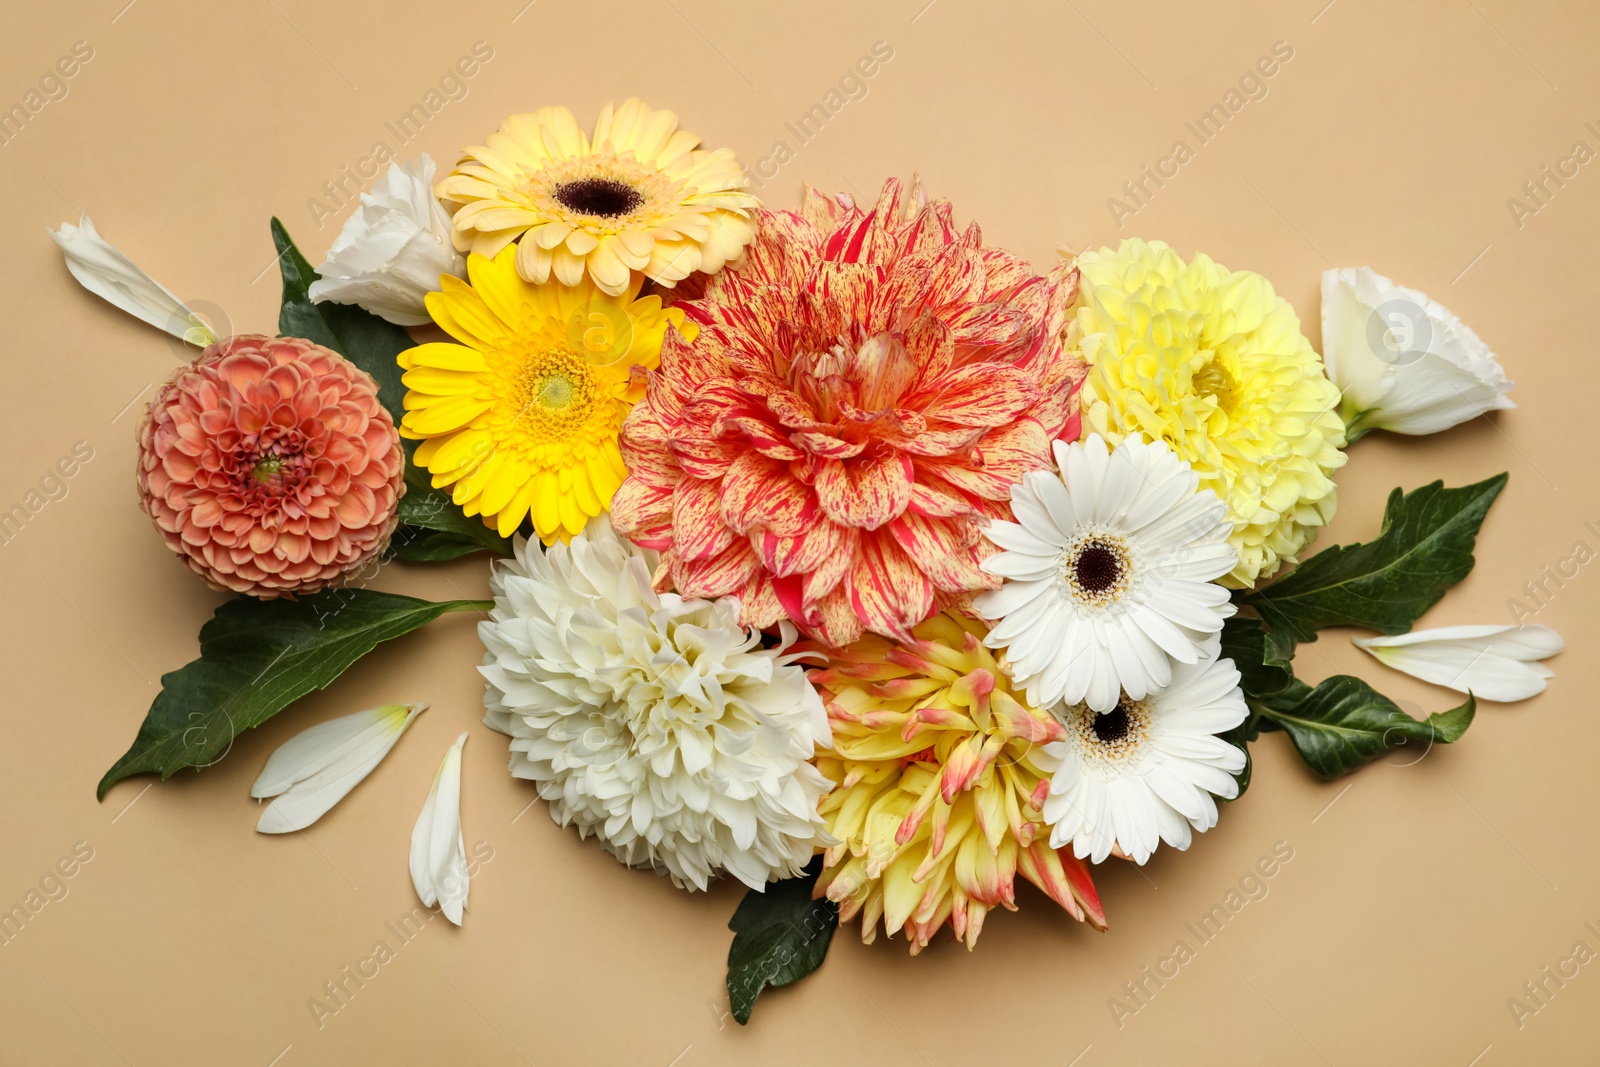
{"points": [[1420, 897]]}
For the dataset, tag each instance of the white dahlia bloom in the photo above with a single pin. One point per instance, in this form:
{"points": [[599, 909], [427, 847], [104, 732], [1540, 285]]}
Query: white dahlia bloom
{"points": [[1110, 573], [658, 724], [1148, 770]]}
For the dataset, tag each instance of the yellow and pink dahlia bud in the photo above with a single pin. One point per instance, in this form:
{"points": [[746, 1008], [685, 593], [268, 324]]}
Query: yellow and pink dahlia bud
{"points": [[861, 397], [940, 775], [270, 467]]}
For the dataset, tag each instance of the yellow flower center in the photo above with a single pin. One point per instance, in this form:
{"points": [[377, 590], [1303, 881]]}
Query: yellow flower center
{"points": [[1216, 381], [554, 392]]}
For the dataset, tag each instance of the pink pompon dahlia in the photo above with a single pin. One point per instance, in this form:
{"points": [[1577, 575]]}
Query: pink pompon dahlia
{"points": [[270, 466], [863, 393]]}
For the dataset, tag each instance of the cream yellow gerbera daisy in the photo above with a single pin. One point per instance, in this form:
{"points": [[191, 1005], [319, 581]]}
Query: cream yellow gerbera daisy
{"points": [[638, 195], [1213, 362], [523, 416]]}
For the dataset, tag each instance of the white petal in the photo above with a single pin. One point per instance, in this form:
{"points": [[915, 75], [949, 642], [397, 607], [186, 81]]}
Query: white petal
{"points": [[113, 277], [1056, 500], [438, 850], [317, 768], [1015, 538], [1490, 662], [1022, 566], [1527, 642], [1027, 504]]}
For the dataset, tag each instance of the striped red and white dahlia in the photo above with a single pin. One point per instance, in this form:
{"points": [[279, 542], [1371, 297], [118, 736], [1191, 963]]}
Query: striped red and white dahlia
{"points": [[862, 395]]}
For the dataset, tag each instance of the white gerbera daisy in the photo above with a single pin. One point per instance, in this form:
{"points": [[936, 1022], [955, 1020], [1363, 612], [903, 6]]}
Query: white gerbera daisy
{"points": [[1146, 771], [1110, 570], [658, 724]]}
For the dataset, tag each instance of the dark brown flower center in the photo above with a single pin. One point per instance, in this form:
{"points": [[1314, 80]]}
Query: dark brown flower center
{"points": [[1112, 726], [604, 197], [1097, 568]]}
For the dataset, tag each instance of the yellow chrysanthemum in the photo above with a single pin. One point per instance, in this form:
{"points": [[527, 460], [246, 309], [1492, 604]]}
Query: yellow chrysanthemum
{"points": [[638, 195], [941, 771], [523, 416], [1213, 362]]}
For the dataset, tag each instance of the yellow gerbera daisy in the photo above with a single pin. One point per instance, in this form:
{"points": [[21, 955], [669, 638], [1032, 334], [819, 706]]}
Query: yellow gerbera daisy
{"points": [[1213, 362], [638, 195], [522, 417]]}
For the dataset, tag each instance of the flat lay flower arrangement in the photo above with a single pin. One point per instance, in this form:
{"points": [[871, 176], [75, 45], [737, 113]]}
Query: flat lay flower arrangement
{"points": [[831, 549]]}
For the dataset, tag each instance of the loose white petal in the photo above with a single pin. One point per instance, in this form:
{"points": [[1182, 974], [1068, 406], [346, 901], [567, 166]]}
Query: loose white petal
{"points": [[1403, 362], [317, 768], [1496, 663], [438, 850], [114, 278]]}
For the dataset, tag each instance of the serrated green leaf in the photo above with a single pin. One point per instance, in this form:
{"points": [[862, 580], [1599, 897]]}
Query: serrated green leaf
{"points": [[374, 345], [257, 657], [1384, 584], [779, 936], [1344, 723]]}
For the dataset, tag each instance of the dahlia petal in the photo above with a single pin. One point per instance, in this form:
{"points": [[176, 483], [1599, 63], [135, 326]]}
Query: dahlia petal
{"points": [[941, 551], [981, 395], [758, 492], [933, 503], [865, 496], [719, 575], [887, 591], [697, 528]]}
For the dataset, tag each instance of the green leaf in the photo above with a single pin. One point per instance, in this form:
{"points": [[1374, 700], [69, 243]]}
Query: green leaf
{"points": [[1384, 584], [356, 334], [434, 528], [1245, 642], [258, 656], [374, 345], [779, 936], [1344, 723]]}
